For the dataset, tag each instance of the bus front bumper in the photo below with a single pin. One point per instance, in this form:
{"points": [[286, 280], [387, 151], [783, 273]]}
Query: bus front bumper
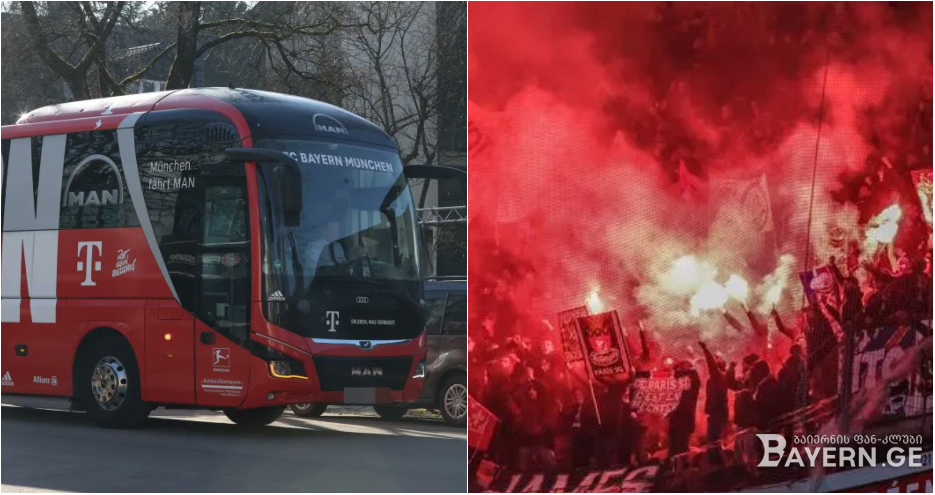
{"points": [[341, 380]]}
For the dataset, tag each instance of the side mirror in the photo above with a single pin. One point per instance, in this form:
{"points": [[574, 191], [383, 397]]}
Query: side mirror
{"points": [[436, 172], [286, 178]]}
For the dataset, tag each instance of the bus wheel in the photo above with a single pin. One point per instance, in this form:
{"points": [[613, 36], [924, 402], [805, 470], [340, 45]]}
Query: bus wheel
{"points": [[108, 384], [309, 410], [253, 418], [453, 401], [391, 412]]}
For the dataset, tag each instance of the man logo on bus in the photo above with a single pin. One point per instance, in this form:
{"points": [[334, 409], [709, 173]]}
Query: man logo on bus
{"points": [[89, 265], [327, 123], [96, 181]]}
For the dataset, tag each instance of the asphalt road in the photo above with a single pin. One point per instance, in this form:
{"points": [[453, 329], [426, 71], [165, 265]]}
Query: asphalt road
{"points": [[198, 451]]}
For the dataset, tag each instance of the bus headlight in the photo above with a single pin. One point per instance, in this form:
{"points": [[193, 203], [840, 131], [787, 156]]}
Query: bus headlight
{"points": [[287, 369], [420, 370]]}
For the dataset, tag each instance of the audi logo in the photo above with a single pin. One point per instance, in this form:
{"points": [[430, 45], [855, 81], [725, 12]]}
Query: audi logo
{"points": [[362, 300]]}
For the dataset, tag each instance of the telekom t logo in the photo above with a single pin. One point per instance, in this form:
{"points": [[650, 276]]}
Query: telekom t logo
{"points": [[332, 317], [89, 265]]}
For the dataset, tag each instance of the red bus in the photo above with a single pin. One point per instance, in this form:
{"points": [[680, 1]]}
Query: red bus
{"points": [[224, 249]]}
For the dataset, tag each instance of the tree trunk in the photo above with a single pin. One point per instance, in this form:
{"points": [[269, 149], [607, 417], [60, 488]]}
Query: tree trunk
{"points": [[78, 85], [183, 67]]}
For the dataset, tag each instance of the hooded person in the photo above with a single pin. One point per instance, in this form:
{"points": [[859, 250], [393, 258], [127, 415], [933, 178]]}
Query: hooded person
{"points": [[716, 394], [746, 412], [682, 418], [766, 395], [793, 378]]}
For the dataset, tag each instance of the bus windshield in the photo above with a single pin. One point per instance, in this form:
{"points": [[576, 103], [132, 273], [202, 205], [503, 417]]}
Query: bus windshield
{"points": [[356, 237]]}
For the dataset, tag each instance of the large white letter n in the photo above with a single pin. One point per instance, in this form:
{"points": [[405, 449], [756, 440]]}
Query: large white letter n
{"points": [[30, 228]]}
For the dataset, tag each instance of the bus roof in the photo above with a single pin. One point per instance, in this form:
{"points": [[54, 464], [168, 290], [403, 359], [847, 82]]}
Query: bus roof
{"points": [[267, 115]]}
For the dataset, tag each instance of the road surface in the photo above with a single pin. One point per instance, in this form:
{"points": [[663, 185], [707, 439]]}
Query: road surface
{"points": [[200, 451]]}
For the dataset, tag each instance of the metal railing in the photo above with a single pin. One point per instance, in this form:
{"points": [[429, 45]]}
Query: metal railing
{"points": [[442, 215]]}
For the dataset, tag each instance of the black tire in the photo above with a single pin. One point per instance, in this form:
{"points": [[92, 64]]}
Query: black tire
{"points": [[391, 412], [309, 410], [254, 418], [452, 401], [108, 386]]}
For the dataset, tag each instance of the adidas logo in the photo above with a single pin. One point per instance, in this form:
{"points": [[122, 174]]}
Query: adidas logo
{"points": [[7, 379], [276, 297]]}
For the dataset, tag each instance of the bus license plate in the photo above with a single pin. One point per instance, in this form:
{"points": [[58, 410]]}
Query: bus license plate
{"points": [[360, 395]]}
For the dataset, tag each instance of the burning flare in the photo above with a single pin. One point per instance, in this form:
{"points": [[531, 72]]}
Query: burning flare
{"points": [[737, 287], [686, 274], [594, 303], [771, 288], [710, 295], [883, 227]]}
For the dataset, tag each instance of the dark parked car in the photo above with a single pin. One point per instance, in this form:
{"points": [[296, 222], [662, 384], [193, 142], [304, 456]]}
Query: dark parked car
{"points": [[446, 378], [446, 321]]}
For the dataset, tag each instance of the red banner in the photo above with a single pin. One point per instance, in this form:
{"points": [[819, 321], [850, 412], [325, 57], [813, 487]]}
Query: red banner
{"points": [[567, 324], [604, 345], [482, 424]]}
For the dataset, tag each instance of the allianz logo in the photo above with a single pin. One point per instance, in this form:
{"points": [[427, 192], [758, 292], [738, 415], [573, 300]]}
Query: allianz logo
{"points": [[45, 380]]}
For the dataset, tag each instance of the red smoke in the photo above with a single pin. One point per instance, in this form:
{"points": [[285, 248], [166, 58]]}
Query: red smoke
{"points": [[595, 128]]}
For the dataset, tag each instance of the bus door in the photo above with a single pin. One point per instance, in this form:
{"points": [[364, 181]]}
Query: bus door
{"points": [[197, 204], [170, 364], [222, 305]]}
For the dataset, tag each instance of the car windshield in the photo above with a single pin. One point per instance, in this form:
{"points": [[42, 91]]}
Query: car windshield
{"points": [[356, 234]]}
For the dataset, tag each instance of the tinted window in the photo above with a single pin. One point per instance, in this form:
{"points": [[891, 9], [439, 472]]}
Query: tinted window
{"points": [[197, 204], [456, 315], [224, 282], [94, 192], [434, 310], [5, 148]]}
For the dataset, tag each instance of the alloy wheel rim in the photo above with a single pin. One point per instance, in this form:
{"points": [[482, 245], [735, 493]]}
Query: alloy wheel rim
{"points": [[456, 401], [109, 383]]}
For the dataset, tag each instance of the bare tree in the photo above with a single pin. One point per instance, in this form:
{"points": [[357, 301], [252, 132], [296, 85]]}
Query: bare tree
{"points": [[70, 49], [393, 56], [71, 38], [280, 27], [312, 66]]}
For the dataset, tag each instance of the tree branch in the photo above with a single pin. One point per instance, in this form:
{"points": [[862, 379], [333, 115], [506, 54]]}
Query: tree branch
{"points": [[41, 42], [152, 63]]}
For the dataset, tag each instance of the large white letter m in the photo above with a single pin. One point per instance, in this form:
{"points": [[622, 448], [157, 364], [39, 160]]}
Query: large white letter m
{"points": [[30, 228]]}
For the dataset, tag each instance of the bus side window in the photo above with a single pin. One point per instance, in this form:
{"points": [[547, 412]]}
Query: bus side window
{"points": [[224, 294], [5, 150], [196, 202], [94, 191]]}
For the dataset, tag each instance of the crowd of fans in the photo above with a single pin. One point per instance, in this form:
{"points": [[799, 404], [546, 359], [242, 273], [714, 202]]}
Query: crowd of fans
{"points": [[547, 408]]}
